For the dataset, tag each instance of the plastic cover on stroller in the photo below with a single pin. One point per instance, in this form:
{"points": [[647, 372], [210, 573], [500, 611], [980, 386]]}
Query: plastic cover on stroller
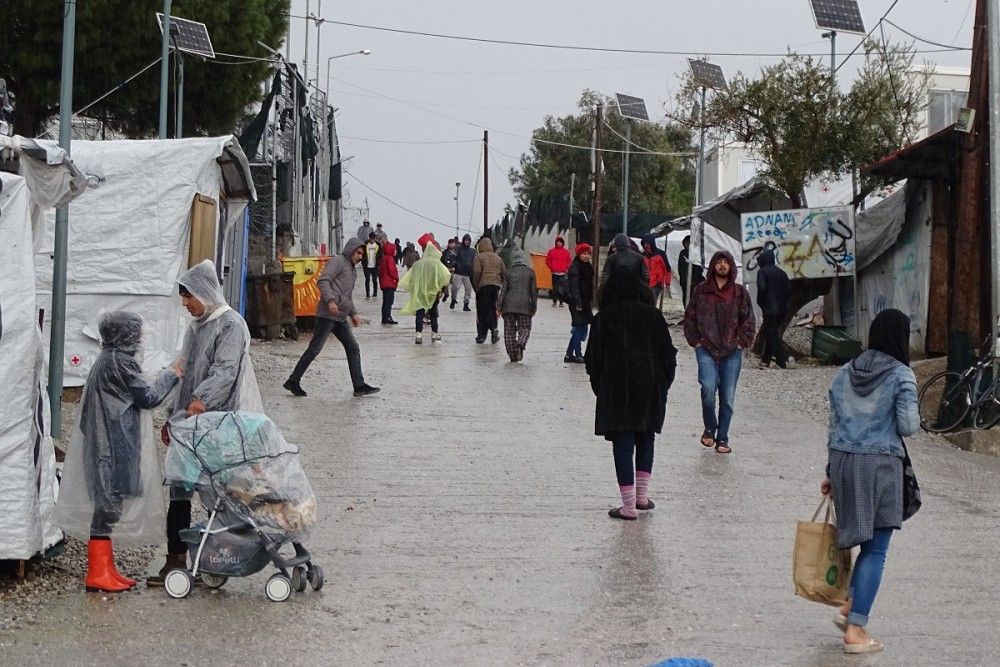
{"points": [[243, 458]]}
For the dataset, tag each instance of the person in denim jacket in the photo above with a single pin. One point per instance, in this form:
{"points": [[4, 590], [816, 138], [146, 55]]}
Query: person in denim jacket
{"points": [[873, 406]]}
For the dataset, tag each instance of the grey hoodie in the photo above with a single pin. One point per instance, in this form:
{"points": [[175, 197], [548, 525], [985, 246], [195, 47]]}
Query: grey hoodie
{"points": [[519, 293], [336, 284]]}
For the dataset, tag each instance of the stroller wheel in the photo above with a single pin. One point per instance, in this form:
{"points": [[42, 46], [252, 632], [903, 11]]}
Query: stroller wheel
{"points": [[315, 577], [178, 583], [214, 580], [299, 578], [278, 588]]}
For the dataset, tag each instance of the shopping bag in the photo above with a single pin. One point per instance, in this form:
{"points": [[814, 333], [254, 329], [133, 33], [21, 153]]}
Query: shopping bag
{"points": [[821, 572]]}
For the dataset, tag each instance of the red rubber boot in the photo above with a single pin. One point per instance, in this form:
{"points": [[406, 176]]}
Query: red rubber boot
{"points": [[118, 575], [101, 568]]}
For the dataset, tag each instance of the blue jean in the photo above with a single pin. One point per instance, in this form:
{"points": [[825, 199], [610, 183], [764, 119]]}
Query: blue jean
{"points": [[867, 576], [576, 338], [718, 378]]}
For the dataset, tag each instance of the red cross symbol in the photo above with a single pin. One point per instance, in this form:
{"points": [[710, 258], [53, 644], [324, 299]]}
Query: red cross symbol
{"points": [[75, 360]]}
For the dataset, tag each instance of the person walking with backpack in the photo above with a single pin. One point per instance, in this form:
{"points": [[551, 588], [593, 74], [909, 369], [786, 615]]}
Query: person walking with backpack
{"points": [[558, 260], [773, 291], [873, 406], [719, 324], [488, 273], [631, 363], [580, 290], [518, 303]]}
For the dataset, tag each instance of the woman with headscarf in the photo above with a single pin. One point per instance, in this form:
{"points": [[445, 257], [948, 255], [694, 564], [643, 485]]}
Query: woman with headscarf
{"points": [[873, 406], [517, 304], [631, 362], [111, 479], [424, 281], [580, 290]]}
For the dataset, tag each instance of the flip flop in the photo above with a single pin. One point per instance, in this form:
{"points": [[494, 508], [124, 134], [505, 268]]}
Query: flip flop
{"points": [[841, 622], [708, 439], [870, 646], [720, 446]]}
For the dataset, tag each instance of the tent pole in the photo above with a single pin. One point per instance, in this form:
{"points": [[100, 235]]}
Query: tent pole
{"points": [[164, 69]]}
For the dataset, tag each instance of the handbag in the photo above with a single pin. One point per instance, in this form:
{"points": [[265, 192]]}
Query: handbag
{"points": [[911, 490], [821, 571]]}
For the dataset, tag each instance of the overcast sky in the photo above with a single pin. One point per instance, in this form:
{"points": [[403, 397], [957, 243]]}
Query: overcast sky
{"points": [[450, 91]]}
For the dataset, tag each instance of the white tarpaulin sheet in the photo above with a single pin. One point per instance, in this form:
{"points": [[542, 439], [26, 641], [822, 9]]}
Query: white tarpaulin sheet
{"points": [[27, 459], [129, 239]]}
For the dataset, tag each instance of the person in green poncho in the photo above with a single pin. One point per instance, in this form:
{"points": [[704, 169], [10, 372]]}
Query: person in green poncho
{"points": [[424, 281]]}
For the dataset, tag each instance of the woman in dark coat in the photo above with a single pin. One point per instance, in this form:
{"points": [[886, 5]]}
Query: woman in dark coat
{"points": [[631, 362], [580, 295]]}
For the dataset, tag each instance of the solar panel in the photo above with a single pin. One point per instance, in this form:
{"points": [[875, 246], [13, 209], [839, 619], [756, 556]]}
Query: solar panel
{"points": [[191, 36], [632, 107], [707, 74], [839, 15]]}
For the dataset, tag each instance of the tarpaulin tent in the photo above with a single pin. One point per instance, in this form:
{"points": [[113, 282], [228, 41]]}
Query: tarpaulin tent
{"points": [[153, 209], [27, 458]]}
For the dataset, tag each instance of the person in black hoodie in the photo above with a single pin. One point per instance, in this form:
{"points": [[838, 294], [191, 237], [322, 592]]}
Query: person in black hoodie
{"points": [[773, 290], [631, 363], [625, 254], [580, 292], [463, 272]]}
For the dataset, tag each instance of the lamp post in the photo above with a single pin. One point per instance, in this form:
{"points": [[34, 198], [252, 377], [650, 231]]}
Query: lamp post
{"points": [[362, 52], [457, 186]]}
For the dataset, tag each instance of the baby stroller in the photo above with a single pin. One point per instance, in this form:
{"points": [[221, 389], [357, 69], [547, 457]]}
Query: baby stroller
{"points": [[258, 498]]}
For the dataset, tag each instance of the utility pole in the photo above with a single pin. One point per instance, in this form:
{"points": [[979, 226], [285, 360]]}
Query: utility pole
{"points": [[164, 69], [305, 50], [628, 144], [993, 29], [457, 186], [698, 176], [319, 24], [486, 182], [598, 193], [57, 331], [179, 116]]}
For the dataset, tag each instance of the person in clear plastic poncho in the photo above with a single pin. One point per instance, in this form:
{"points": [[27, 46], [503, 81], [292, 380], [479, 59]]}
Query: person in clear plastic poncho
{"points": [[111, 483], [218, 377], [424, 281]]}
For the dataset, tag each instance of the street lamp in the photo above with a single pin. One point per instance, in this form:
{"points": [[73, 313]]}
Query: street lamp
{"points": [[457, 186], [362, 52]]}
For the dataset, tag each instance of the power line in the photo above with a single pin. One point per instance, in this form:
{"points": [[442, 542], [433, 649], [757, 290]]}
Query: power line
{"points": [[403, 141], [569, 47], [926, 41], [475, 189], [394, 203], [116, 88], [865, 38], [647, 151]]}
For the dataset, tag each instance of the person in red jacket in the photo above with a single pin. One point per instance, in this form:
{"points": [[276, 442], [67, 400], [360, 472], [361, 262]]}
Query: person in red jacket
{"points": [[388, 277], [558, 260], [659, 269]]}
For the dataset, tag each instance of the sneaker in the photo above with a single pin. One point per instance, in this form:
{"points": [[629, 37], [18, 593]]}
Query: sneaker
{"points": [[420, 339], [366, 390], [294, 387], [435, 338], [453, 303], [494, 336], [480, 341], [467, 309], [393, 323]]}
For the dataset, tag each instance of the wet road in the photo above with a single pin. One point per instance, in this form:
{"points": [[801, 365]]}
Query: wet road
{"points": [[464, 522]]}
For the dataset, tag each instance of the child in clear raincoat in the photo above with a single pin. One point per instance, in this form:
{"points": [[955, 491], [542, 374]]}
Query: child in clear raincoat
{"points": [[111, 483]]}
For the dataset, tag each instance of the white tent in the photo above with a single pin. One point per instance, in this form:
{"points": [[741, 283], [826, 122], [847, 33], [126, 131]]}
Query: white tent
{"points": [[152, 207], [27, 458]]}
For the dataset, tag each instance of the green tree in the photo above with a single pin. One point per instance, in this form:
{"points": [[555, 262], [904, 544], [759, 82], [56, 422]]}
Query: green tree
{"points": [[114, 40], [802, 127], [657, 183]]}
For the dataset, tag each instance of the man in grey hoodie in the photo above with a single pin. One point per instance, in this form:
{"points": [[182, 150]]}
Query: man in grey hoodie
{"points": [[336, 314]]}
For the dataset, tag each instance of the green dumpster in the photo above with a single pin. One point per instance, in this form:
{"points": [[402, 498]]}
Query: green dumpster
{"points": [[833, 345]]}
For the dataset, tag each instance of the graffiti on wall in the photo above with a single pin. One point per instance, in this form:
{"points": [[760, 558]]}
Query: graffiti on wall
{"points": [[807, 243]]}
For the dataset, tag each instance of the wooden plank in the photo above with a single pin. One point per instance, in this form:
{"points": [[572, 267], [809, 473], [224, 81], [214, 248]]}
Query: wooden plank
{"points": [[204, 230], [938, 298]]}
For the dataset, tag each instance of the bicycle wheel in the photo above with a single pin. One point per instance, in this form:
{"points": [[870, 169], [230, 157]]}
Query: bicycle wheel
{"points": [[944, 402], [988, 413]]}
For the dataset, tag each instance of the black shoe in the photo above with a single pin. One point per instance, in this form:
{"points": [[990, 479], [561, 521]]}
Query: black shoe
{"points": [[393, 322], [480, 341], [494, 336], [467, 309], [645, 508], [366, 390], [453, 303], [616, 513], [294, 387], [567, 359]]}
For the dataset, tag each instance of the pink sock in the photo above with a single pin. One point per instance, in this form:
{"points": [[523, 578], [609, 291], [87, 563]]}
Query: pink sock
{"points": [[642, 487], [628, 500]]}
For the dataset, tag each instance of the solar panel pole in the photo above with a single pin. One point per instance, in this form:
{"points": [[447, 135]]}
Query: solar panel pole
{"points": [[164, 69], [57, 332], [993, 29], [628, 144], [179, 131], [598, 192], [699, 176]]}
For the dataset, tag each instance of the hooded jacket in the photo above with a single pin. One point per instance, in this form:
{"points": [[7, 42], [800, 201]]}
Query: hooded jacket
{"points": [[580, 290], [657, 263], [450, 258], [519, 293], [720, 320], [626, 258], [424, 281], [558, 259], [336, 284], [487, 267], [388, 271], [410, 255], [873, 405], [773, 286], [466, 255]]}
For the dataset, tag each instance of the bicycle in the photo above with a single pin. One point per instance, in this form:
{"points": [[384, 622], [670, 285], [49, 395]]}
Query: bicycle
{"points": [[948, 398]]}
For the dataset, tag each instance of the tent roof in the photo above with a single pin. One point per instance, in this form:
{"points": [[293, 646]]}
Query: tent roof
{"points": [[933, 158]]}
